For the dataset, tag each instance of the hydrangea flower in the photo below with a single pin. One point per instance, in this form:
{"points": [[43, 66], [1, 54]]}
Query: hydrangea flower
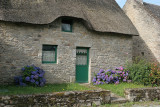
{"points": [[124, 80], [32, 81], [98, 73], [119, 72], [101, 70], [113, 72], [109, 70], [41, 75], [102, 82], [18, 80], [94, 80], [28, 66], [117, 82], [31, 74], [108, 80], [36, 76], [23, 69], [27, 78], [98, 77], [126, 74], [34, 72], [42, 84], [37, 82], [44, 80], [110, 76], [121, 68], [22, 84]]}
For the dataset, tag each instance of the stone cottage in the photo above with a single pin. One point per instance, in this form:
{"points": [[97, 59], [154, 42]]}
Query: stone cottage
{"points": [[146, 19], [69, 39]]}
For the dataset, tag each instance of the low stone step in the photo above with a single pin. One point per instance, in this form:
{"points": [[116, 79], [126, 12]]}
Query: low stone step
{"points": [[117, 99], [114, 98]]}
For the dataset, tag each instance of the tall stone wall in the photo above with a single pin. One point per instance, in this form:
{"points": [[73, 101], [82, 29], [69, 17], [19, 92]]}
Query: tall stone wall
{"points": [[21, 45], [147, 45]]}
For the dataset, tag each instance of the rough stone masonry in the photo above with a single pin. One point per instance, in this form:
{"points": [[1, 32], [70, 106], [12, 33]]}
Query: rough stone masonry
{"points": [[21, 45], [65, 99]]}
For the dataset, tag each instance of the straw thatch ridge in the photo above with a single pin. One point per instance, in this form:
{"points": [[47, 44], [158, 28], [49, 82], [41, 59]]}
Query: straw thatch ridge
{"points": [[100, 15]]}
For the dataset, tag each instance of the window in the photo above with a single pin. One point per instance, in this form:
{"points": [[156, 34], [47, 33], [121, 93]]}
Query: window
{"points": [[49, 54], [66, 25]]}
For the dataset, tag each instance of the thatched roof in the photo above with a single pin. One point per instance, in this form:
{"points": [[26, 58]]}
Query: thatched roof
{"points": [[154, 9], [99, 15]]}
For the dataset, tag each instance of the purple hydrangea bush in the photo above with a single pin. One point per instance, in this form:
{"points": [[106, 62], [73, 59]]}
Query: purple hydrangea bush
{"points": [[32, 75], [111, 76]]}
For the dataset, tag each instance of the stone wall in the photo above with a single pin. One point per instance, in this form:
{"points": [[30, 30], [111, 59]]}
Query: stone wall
{"points": [[21, 45], [69, 99], [143, 94], [147, 45]]}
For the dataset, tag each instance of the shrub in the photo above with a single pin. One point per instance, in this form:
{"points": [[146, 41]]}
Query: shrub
{"points": [[110, 76], [31, 75], [139, 71], [155, 74]]}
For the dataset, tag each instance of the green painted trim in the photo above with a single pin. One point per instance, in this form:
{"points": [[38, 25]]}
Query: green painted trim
{"points": [[56, 55], [44, 62], [88, 58], [50, 62]]}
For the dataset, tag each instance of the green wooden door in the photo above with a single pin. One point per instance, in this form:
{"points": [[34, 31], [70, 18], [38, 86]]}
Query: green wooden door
{"points": [[82, 65]]}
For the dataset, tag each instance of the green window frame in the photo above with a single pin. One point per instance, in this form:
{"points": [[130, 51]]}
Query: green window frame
{"points": [[49, 54], [67, 25]]}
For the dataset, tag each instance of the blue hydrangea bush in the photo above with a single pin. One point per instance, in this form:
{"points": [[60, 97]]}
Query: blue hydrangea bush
{"points": [[111, 76], [31, 75]]}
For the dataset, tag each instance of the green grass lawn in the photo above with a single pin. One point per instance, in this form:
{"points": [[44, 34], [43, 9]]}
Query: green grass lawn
{"points": [[48, 88], [119, 89]]}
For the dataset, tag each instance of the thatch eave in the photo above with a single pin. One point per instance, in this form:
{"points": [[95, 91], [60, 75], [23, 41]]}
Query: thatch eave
{"points": [[99, 15]]}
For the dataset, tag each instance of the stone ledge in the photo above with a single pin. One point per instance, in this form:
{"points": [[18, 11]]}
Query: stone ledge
{"points": [[143, 94], [71, 98]]}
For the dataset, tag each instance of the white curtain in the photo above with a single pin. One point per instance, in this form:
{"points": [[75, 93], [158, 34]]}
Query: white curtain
{"points": [[49, 56], [81, 59]]}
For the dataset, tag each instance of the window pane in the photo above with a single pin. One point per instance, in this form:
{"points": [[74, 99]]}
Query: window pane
{"points": [[81, 60], [84, 51], [49, 48], [49, 56], [67, 21], [66, 27]]}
